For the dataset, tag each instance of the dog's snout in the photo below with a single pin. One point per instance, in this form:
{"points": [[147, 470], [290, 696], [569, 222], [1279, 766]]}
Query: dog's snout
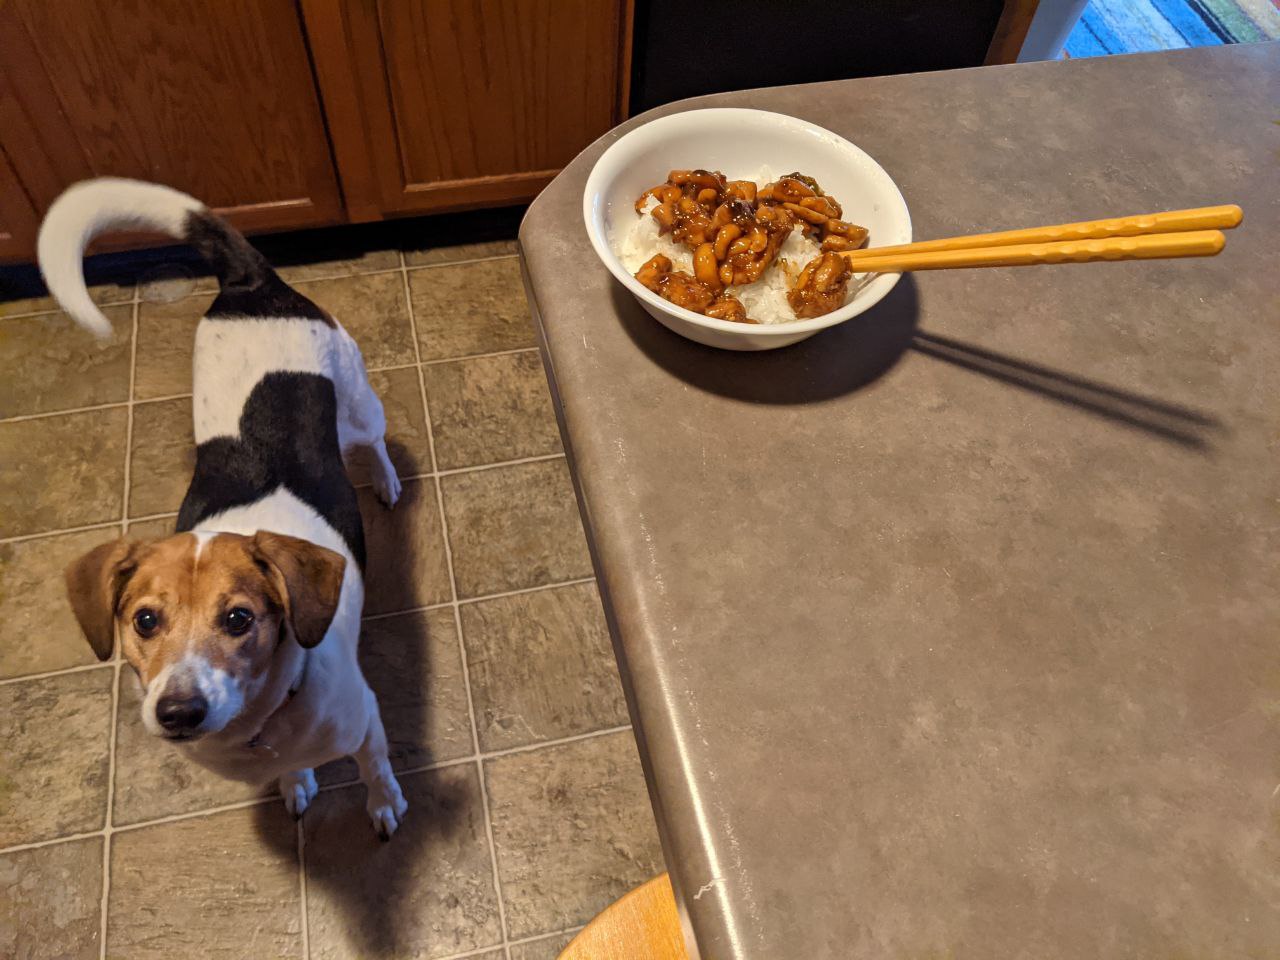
{"points": [[181, 714]]}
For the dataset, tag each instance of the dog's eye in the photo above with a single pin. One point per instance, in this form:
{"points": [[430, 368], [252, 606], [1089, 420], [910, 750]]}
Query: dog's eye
{"points": [[238, 620], [146, 621]]}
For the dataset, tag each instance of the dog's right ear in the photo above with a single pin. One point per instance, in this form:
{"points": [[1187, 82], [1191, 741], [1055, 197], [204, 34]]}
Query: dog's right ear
{"points": [[94, 585]]}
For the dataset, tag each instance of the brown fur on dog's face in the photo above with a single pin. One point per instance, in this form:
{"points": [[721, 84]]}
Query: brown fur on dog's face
{"points": [[199, 616]]}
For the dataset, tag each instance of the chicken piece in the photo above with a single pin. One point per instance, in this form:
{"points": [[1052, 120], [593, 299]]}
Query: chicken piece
{"points": [[850, 231], [675, 285], [729, 308], [698, 178], [744, 190], [821, 286], [837, 244], [755, 247]]}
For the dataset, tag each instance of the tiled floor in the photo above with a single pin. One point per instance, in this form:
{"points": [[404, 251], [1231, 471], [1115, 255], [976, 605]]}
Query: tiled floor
{"points": [[484, 640]]}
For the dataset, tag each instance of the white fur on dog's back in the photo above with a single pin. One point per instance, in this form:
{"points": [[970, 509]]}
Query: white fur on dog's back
{"points": [[92, 207]]}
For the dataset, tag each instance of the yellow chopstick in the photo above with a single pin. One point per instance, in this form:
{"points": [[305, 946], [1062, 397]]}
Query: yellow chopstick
{"points": [[1156, 246], [1172, 221]]}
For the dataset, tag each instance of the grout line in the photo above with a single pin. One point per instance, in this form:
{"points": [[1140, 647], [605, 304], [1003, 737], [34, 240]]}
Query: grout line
{"points": [[137, 286], [53, 841], [480, 356], [302, 889], [100, 525], [480, 599], [576, 738], [474, 468], [82, 668], [108, 821], [59, 311], [501, 463], [547, 936], [457, 619], [467, 954], [326, 788], [455, 263], [20, 418], [524, 590]]}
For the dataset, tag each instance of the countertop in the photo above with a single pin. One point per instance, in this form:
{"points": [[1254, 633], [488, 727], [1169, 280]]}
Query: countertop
{"points": [[955, 631]]}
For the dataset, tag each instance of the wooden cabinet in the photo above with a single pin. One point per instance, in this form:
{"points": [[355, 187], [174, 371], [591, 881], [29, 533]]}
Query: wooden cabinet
{"points": [[215, 97], [294, 113], [18, 218], [443, 104]]}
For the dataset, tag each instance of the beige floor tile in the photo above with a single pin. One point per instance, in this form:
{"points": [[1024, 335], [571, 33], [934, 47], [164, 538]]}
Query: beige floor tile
{"points": [[545, 949], [37, 631], [153, 778], [373, 310], [452, 253], [219, 887], [53, 755], [152, 529], [51, 364], [166, 335], [413, 664], [51, 901], [64, 471], [407, 566], [426, 893], [101, 293], [366, 262], [541, 667], [163, 457], [573, 829], [470, 308], [170, 282], [514, 527], [407, 439], [490, 409]]}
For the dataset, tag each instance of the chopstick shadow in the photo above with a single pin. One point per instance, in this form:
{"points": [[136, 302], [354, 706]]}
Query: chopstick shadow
{"points": [[833, 363], [1168, 421]]}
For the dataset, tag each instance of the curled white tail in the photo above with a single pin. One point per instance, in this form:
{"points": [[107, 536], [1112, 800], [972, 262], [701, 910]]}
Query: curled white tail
{"points": [[89, 208]]}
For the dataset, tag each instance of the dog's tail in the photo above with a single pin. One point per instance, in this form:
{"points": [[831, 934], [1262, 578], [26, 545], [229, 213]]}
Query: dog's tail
{"points": [[92, 207]]}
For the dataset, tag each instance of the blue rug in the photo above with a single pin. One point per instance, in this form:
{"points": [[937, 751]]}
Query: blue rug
{"points": [[1133, 26]]}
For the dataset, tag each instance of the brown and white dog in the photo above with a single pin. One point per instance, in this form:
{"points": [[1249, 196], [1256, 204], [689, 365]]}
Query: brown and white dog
{"points": [[242, 627]]}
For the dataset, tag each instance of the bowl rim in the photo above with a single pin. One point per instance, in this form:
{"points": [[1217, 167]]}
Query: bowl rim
{"points": [[593, 220]]}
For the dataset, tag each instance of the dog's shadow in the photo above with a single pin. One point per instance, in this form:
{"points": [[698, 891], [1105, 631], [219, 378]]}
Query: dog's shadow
{"points": [[363, 895]]}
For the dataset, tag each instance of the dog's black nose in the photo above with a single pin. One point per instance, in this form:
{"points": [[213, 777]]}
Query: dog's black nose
{"points": [[181, 714]]}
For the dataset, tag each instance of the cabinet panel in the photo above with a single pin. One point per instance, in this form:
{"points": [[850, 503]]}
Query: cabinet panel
{"points": [[18, 220], [439, 104], [215, 98]]}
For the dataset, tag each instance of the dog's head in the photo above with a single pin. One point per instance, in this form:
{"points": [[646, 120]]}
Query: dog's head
{"points": [[200, 616]]}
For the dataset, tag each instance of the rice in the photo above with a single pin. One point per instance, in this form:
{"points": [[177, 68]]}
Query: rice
{"points": [[766, 299]]}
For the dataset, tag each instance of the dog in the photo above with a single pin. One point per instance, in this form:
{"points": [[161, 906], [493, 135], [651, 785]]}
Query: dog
{"points": [[242, 627]]}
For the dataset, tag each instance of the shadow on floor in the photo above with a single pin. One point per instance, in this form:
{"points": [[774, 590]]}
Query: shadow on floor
{"points": [[361, 890]]}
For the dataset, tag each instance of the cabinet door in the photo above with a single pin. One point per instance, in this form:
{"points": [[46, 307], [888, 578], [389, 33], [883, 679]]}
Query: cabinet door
{"points": [[214, 98], [444, 104], [18, 219]]}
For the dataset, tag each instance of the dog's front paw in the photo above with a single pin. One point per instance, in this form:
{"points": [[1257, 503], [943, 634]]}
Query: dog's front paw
{"points": [[386, 484], [387, 807], [298, 790]]}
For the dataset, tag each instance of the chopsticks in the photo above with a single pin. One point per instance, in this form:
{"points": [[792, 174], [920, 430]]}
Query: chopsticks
{"points": [[1152, 236]]}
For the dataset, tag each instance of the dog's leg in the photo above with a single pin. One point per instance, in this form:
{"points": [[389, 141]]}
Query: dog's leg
{"points": [[363, 423], [386, 804], [298, 789]]}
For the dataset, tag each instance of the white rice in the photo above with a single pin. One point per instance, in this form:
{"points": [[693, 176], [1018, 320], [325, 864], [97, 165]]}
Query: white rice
{"points": [[766, 299]]}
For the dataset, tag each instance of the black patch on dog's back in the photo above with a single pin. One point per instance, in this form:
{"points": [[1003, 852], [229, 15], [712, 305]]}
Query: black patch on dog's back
{"points": [[248, 285], [288, 438]]}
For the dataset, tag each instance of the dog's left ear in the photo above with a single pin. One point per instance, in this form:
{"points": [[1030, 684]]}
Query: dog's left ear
{"points": [[94, 584], [309, 579]]}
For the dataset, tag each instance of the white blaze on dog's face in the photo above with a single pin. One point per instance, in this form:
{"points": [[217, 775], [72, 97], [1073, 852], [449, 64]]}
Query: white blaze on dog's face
{"points": [[199, 617]]}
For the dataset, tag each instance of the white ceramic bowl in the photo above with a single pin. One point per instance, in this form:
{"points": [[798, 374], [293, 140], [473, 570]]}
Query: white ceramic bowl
{"points": [[738, 142]]}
